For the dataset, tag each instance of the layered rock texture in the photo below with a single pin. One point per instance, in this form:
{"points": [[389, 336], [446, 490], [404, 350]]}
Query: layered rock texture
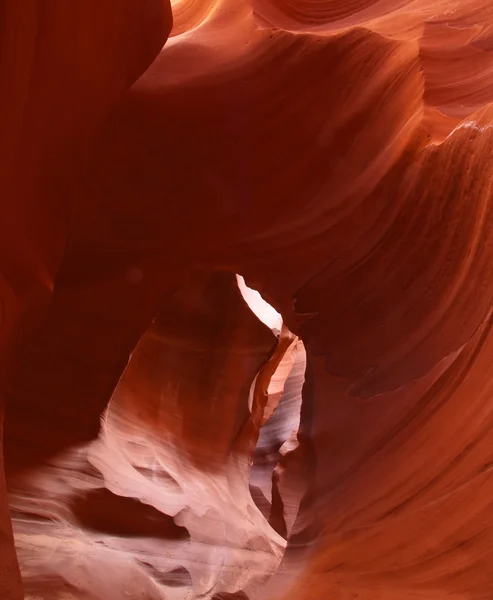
{"points": [[246, 293]]}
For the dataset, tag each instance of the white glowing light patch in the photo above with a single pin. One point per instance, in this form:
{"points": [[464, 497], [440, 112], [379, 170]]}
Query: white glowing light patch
{"points": [[260, 308]]}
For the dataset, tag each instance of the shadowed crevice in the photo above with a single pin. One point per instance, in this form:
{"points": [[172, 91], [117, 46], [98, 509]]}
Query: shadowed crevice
{"points": [[179, 577], [102, 511], [230, 596]]}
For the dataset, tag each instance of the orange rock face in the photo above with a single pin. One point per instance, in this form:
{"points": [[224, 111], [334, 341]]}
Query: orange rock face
{"points": [[167, 434]]}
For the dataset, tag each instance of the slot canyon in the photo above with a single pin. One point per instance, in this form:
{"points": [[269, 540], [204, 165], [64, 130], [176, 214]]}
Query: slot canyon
{"points": [[246, 300]]}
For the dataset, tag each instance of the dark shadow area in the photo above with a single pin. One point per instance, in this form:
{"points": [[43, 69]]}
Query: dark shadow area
{"points": [[227, 596], [260, 500], [101, 510]]}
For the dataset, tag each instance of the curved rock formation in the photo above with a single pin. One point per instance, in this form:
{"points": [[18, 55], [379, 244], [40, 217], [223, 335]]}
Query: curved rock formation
{"points": [[167, 434]]}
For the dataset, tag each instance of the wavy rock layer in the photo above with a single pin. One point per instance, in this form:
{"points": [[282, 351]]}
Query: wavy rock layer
{"points": [[62, 67], [166, 434]]}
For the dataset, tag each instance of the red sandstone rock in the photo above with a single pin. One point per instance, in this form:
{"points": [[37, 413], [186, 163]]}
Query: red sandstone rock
{"points": [[162, 438]]}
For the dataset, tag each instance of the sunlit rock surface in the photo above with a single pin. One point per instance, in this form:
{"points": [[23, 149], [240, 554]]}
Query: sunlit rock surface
{"points": [[169, 169]]}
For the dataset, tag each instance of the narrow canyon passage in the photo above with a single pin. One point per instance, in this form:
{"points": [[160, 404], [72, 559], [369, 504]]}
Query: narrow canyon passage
{"points": [[162, 497], [246, 299]]}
